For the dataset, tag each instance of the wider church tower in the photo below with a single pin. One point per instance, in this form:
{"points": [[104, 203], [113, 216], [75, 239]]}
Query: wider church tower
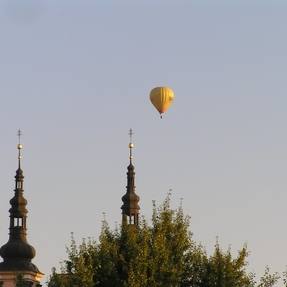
{"points": [[17, 254], [130, 207]]}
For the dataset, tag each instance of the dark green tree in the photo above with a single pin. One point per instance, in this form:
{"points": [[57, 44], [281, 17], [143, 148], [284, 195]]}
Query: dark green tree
{"points": [[163, 254], [270, 279], [56, 279], [171, 246], [106, 261], [21, 282], [222, 270]]}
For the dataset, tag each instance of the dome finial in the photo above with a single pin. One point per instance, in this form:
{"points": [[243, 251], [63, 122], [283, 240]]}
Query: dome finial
{"points": [[19, 146], [131, 145]]}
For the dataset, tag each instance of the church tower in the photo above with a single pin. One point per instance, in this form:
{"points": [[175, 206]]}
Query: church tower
{"points": [[17, 254], [130, 207]]}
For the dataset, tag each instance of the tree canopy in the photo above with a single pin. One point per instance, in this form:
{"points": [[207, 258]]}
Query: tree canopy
{"points": [[162, 254]]}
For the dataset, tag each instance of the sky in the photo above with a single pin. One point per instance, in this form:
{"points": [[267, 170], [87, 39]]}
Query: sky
{"points": [[75, 76]]}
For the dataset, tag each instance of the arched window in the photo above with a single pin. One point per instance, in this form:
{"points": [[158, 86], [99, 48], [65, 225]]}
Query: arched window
{"points": [[18, 221]]}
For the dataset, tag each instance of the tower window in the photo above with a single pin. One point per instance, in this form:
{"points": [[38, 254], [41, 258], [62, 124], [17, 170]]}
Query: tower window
{"points": [[18, 221], [19, 185], [133, 219]]}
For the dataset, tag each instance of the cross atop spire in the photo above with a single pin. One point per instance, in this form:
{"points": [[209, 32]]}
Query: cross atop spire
{"points": [[131, 145], [131, 134], [19, 133], [19, 147]]}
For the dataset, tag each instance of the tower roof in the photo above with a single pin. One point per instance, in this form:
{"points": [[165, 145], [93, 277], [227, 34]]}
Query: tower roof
{"points": [[130, 207], [17, 253]]}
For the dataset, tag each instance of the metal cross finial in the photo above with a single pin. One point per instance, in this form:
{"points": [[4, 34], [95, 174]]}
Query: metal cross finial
{"points": [[19, 134], [131, 145], [131, 135], [19, 147]]}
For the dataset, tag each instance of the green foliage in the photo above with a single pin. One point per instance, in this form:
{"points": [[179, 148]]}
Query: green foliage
{"points": [[161, 255], [268, 279], [223, 271], [21, 282], [285, 278], [170, 245], [55, 279]]}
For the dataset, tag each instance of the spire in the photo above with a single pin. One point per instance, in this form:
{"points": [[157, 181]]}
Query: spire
{"points": [[130, 207], [19, 147], [17, 253], [131, 145]]}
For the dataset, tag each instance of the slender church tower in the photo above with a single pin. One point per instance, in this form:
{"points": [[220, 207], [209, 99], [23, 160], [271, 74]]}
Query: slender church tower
{"points": [[130, 207], [17, 254]]}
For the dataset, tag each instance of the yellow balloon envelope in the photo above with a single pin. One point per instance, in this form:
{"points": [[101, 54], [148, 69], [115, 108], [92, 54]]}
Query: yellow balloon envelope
{"points": [[161, 98]]}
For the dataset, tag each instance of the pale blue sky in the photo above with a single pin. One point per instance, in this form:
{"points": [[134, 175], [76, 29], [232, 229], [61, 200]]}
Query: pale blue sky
{"points": [[76, 75]]}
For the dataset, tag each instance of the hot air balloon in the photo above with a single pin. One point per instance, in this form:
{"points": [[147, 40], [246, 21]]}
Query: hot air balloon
{"points": [[161, 98]]}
